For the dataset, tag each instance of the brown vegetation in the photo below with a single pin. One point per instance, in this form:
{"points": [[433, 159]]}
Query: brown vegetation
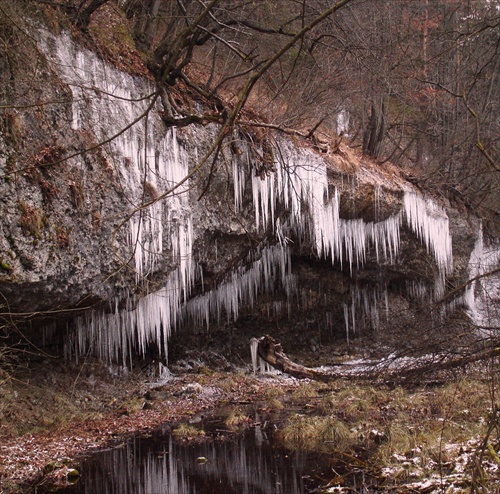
{"points": [[398, 435]]}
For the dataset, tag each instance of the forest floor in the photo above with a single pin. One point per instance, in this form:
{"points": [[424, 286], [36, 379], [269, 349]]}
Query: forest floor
{"points": [[420, 438]]}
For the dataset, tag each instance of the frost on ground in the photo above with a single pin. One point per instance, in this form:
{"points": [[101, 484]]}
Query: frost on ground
{"points": [[422, 475]]}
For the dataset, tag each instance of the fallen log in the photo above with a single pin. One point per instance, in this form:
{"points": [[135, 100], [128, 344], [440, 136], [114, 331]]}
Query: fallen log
{"points": [[271, 352]]}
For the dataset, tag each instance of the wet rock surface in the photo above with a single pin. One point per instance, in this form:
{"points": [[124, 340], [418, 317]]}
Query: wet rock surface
{"points": [[65, 243]]}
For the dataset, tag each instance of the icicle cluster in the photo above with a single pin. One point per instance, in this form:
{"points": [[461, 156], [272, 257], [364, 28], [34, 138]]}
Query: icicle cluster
{"points": [[483, 293], [418, 291], [364, 307], [300, 186], [147, 159], [150, 163], [273, 267], [430, 223], [258, 363], [117, 334]]}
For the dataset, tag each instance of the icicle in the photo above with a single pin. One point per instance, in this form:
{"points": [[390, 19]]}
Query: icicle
{"points": [[430, 223], [259, 364], [364, 309], [243, 286], [254, 343], [353, 319], [482, 295], [239, 175], [417, 290], [346, 320]]}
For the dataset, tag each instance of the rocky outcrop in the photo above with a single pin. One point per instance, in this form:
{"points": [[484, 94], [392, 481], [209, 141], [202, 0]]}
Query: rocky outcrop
{"points": [[110, 229]]}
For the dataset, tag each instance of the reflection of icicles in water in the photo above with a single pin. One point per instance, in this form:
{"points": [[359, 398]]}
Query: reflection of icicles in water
{"points": [[482, 296], [249, 463], [128, 472]]}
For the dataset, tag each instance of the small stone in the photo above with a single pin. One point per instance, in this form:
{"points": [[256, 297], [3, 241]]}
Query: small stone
{"points": [[72, 475]]}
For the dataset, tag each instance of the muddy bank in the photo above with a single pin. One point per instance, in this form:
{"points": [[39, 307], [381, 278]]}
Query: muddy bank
{"points": [[55, 412]]}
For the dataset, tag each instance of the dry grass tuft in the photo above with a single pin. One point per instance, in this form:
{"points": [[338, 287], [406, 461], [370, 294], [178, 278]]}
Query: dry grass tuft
{"points": [[187, 431], [305, 392], [274, 404], [236, 419], [313, 433]]}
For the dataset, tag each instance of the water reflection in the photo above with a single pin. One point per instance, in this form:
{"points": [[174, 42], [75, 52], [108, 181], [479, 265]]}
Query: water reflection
{"points": [[247, 463]]}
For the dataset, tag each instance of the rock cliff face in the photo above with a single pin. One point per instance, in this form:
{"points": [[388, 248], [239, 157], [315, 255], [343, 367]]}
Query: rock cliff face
{"points": [[111, 234]]}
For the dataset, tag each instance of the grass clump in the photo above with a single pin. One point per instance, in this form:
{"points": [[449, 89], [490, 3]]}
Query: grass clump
{"points": [[314, 433], [274, 404], [306, 392], [228, 383], [273, 398], [236, 419], [187, 431], [357, 403], [273, 393]]}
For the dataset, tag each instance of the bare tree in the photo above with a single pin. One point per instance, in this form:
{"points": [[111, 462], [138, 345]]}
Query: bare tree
{"points": [[79, 11]]}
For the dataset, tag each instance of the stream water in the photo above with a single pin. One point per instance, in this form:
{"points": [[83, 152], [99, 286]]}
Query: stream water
{"points": [[242, 463]]}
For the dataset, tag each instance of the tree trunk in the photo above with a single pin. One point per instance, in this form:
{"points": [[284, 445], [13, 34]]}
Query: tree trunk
{"points": [[81, 17], [151, 21], [375, 132], [272, 352]]}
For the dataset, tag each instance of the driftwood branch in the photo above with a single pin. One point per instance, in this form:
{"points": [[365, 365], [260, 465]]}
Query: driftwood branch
{"points": [[272, 353]]}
